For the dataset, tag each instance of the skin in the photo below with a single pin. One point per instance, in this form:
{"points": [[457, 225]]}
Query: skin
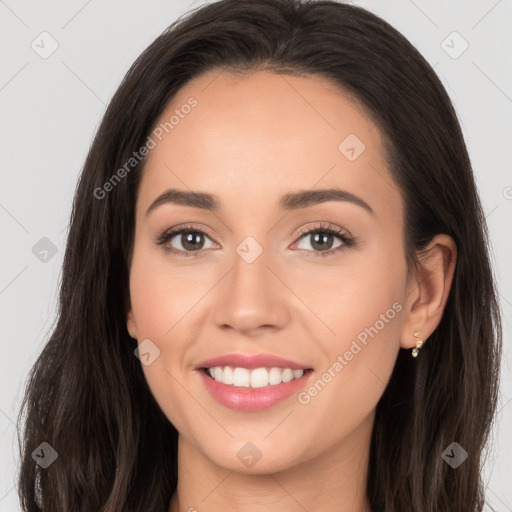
{"points": [[250, 140]]}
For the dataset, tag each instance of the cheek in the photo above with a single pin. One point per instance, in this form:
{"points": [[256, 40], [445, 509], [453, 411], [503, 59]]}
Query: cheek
{"points": [[360, 304], [360, 360], [352, 296], [160, 296]]}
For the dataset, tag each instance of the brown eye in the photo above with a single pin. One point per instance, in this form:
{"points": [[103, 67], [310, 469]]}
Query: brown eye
{"points": [[191, 240], [187, 241], [322, 240]]}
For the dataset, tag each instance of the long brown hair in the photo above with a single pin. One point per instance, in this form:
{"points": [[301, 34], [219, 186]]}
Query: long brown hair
{"points": [[87, 396]]}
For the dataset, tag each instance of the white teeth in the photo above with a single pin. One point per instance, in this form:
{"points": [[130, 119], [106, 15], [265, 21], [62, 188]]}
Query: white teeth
{"points": [[274, 376], [240, 377], [287, 375], [227, 375], [259, 378], [256, 378]]}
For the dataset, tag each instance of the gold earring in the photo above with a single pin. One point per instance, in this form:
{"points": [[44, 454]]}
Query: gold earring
{"points": [[419, 343]]}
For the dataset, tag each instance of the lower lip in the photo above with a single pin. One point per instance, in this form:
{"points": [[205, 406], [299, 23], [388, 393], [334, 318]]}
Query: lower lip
{"points": [[252, 399]]}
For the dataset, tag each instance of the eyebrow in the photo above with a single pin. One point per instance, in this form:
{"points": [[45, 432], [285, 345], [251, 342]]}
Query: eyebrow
{"points": [[291, 201]]}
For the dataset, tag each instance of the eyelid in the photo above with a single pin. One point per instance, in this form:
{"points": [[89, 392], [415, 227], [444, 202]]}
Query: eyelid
{"points": [[167, 233], [346, 238], [324, 226]]}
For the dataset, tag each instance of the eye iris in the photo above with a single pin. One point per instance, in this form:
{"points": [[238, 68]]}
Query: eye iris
{"points": [[190, 238], [194, 240], [321, 237]]}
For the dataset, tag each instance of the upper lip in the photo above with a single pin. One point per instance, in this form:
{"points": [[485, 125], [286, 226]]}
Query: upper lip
{"points": [[251, 361]]}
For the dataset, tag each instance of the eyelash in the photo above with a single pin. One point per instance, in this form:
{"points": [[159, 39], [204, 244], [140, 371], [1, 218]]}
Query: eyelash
{"points": [[348, 241]]}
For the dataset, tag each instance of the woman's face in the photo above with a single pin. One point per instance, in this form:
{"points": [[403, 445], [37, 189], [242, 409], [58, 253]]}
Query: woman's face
{"points": [[267, 278]]}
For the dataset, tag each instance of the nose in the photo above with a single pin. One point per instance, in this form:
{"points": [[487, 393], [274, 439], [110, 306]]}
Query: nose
{"points": [[252, 297]]}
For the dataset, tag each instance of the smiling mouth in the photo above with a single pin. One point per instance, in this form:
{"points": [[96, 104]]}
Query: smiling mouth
{"points": [[255, 377]]}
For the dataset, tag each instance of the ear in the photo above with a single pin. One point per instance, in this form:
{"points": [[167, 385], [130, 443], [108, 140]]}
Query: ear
{"points": [[428, 290], [131, 325]]}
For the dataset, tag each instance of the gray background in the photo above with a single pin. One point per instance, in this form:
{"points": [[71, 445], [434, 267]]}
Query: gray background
{"points": [[51, 107]]}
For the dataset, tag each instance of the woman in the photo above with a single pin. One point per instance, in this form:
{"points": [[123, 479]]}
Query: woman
{"points": [[276, 290]]}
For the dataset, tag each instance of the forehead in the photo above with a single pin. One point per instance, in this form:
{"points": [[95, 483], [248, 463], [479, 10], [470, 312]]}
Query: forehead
{"points": [[262, 135]]}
